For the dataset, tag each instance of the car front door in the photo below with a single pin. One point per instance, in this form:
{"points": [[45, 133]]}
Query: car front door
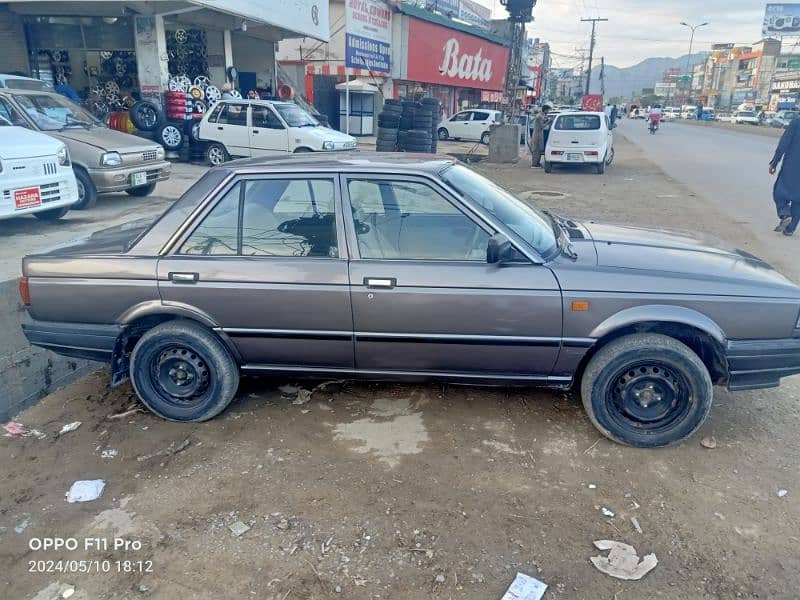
{"points": [[266, 264], [268, 134], [424, 298], [231, 128]]}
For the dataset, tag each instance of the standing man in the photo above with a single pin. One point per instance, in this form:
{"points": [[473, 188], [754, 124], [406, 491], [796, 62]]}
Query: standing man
{"points": [[786, 191], [536, 141]]}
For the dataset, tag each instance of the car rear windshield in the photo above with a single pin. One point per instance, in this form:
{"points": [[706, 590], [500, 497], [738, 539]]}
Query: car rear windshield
{"points": [[578, 122]]}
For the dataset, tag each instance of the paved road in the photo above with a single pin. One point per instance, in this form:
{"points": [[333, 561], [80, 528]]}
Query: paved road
{"points": [[729, 168]]}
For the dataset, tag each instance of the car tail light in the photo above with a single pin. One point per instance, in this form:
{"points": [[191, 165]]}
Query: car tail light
{"points": [[24, 291], [556, 152], [590, 152]]}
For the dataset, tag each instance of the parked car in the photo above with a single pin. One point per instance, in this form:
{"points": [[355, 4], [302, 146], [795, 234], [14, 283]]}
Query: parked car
{"points": [[472, 125], [409, 267], [580, 138], [104, 160], [18, 82], [36, 176], [782, 118], [246, 128], [741, 117]]}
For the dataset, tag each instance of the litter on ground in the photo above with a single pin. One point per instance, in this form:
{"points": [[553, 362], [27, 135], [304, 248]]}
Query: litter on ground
{"points": [[85, 490], [525, 587], [622, 561]]}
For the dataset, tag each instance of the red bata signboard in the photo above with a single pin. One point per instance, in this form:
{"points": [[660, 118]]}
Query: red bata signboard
{"points": [[448, 57]]}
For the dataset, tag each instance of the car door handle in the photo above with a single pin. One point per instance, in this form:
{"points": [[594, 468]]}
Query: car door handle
{"points": [[380, 282], [184, 277]]}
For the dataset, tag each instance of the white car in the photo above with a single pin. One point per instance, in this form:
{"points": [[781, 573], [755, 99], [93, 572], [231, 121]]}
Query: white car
{"points": [[35, 175], [263, 127], [745, 116], [580, 138], [472, 124]]}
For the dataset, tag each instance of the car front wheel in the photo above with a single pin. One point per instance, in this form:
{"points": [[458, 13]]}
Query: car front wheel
{"points": [[646, 390], [182, 372]]}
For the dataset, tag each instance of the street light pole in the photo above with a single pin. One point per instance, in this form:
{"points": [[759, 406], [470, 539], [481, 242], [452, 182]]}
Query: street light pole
{"points": [[691, 42]]}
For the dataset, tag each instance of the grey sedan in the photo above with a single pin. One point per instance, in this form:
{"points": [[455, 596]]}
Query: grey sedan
{"points": [[401, 267]]}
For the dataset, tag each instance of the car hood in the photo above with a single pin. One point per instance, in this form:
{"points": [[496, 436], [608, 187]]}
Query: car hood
{"points": [[113, 240], [105, 139], [19, 142], [680, 252]]}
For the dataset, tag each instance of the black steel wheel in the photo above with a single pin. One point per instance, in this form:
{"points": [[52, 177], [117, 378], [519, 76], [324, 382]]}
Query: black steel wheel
{"points": [[183, 372], [646, 390]]}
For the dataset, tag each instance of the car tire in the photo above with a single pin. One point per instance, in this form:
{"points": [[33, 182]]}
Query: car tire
{"points": [[145, 116], [54, 214], [170, 136], [443, 134], [87, 192], [485, 137], [548, 167], [216, 154], [142, 190], [675, 381], [182, 372]]}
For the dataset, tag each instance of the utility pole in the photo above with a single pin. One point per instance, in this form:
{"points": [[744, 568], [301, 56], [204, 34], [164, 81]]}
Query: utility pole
{"points": [[594, 22]]}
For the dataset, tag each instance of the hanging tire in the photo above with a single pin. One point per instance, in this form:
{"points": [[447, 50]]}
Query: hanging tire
{"points": [[142, 190], [170, 136], [182, 372], [145, 116], [646, 390], [216, 154], [87, 192], [54, 214]]}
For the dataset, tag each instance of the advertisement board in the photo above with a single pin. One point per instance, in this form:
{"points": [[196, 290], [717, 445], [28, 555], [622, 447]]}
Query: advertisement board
{"points": [[781, 20], [309, 17], [445, 56], [368, 35]]}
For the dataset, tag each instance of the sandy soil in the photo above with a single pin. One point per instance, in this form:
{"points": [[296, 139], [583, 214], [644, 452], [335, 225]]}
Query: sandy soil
{"points": [[412, 491]]}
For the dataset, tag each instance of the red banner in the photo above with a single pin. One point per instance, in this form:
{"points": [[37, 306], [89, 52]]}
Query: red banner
{"points": [[449, 57]]}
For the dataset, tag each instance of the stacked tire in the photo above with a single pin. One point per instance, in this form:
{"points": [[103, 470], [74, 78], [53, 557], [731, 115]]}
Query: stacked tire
{"points": [[388, 126]]}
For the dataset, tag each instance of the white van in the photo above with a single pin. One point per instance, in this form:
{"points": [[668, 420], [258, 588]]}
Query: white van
{"points": [[580, 138], [261, 127]]}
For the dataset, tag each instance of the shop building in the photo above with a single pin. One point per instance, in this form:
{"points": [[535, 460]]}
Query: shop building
{"points": [[134, 48]]}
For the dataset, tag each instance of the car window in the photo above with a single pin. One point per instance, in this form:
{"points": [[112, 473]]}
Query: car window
{"points": [[10, 114], [406, 220], [577, 122], [218, 233], [233, 114], [264, 117], [462, 116], [480, 116], [289, 217]]}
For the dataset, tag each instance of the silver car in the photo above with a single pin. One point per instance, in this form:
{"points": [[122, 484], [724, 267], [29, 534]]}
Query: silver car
{"points": [[401, 267]]}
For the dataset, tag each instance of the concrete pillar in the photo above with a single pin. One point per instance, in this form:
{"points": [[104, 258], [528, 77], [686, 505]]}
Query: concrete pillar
{"points": [[151, 57]]}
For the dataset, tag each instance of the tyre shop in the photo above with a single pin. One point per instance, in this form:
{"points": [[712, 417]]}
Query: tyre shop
{"points": [[154, 66], [456, 63]]}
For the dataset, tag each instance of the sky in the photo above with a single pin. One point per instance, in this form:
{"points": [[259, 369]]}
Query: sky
{"points": [[637, 29]]}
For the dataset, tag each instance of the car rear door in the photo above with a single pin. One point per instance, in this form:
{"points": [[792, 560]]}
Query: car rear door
{"points": [[268, 134], [424, 299], [266, 264]]}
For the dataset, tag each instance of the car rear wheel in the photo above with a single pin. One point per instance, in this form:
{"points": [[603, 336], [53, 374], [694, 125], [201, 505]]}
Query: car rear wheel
{"points": [[183, 372], [54, 214], [87, 192], [216, 154], [646, 390], [142, 190]]}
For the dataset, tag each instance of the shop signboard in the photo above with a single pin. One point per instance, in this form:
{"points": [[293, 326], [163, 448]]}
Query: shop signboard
{"points": [[781, 20], [445, 56], [309, 17], [369, 35]]}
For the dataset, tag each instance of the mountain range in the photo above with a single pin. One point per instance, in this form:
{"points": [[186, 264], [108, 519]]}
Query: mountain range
{"points": [[623, 82]]}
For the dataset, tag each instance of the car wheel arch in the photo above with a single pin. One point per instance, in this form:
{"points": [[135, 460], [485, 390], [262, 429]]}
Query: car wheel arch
{"points": [[701, 335]]}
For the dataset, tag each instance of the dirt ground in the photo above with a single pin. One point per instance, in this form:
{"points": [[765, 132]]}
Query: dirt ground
{"points": [[372, 490]]}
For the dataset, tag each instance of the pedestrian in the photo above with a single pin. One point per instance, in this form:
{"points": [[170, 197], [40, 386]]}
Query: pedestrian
{"points": [[536, 141], [786, 191], [614, 115]]}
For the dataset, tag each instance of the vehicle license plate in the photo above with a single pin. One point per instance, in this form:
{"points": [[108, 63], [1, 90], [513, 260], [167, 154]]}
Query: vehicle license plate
{"points": [[27, 198], [138, 179], [575, 156]]}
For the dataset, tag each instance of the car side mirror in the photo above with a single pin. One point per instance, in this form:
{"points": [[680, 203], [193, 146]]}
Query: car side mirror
{"points": [[499, 249]]}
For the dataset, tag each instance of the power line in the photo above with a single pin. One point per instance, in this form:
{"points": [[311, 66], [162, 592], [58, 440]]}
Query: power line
{"points": [[594, 21]]}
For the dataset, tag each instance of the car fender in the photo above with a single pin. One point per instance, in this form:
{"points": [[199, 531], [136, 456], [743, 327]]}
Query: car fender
{"points": [[660, 313]]}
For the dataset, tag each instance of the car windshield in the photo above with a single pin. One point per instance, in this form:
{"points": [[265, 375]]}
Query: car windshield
{"points": [[578, 122], [295, 116], [526, 221], [52, 112]]}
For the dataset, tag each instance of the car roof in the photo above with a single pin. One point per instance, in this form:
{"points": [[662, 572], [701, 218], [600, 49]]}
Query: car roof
{"points": [[344, 161]]}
